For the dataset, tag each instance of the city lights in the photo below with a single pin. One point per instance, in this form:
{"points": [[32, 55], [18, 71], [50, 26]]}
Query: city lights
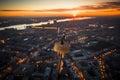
{"points": [[59, 39]]}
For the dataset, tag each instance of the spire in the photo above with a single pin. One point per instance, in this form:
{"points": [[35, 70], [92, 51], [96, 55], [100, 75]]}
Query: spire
{"points": [[62, 40]]}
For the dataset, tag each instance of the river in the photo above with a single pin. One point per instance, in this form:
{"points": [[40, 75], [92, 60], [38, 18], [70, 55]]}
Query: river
{"points": [[23, 26]]}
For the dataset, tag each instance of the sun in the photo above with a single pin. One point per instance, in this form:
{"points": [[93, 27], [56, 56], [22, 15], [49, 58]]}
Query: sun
{"points": [[75, 13]]}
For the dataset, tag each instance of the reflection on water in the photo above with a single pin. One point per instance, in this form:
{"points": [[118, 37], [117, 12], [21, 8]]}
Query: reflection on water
{"points": [[23, 26]]}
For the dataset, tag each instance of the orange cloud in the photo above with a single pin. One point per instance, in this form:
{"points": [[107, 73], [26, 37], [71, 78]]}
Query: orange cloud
{"points": [[102, 5], [103, 8]]}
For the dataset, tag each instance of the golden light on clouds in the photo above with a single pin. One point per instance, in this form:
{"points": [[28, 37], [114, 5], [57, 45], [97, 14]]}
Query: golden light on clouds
{"points": [[70, 9]]}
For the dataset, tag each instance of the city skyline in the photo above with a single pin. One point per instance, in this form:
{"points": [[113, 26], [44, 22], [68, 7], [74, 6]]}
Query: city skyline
{"points": [[60, 8], [60, 49]]}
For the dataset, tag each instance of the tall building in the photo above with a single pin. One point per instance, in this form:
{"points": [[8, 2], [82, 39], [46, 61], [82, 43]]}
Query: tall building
{"points": [[61, 48], [58, 30]]}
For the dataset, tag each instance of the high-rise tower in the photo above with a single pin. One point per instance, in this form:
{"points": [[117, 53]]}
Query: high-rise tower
{"points": [[58, 30], [61, 48]]}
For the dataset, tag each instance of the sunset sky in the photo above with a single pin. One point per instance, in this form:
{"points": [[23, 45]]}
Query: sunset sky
{"points": [[59, 7]]}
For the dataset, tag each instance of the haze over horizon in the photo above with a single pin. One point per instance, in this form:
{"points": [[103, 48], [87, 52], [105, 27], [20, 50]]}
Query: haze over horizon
{"points": [[59, 8]]}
